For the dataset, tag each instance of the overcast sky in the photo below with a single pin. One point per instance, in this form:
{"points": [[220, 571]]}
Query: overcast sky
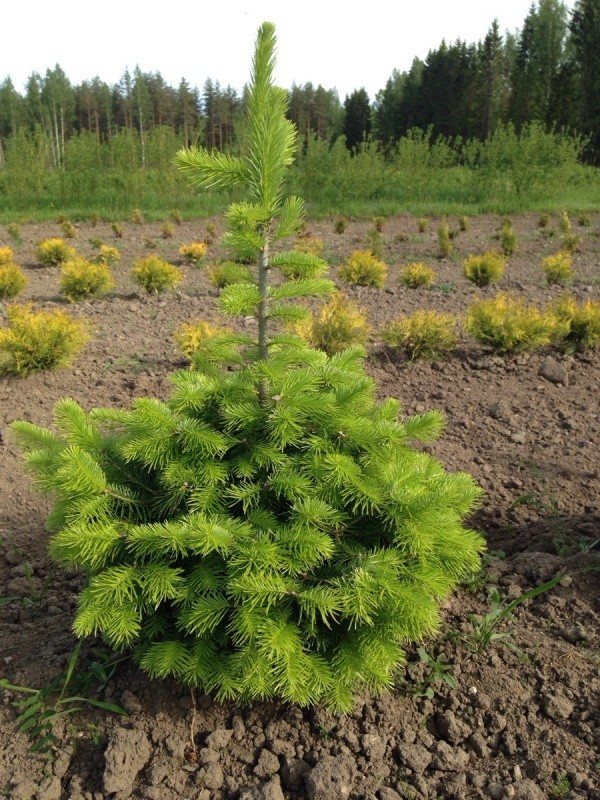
{"points": [[319, 41]]}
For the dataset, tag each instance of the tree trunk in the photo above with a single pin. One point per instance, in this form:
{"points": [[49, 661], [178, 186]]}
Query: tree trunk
{"points": [[143, 144], [62, 136], [263, 311]]}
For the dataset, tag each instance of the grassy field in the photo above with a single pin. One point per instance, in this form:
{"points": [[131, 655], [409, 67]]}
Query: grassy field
{"points": [[446, 194], [509, 173]]}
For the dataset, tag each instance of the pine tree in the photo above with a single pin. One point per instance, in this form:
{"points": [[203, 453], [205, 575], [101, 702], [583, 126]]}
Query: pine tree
{"points": [[585, 35], [492, 84], [538, 59], [269, 531], [357, 118]]}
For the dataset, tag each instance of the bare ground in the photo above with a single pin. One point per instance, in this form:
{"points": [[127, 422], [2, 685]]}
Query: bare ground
{"points": [[524, 714]]}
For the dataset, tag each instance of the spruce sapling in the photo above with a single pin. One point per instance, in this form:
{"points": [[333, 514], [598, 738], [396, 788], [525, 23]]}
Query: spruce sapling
{"points": [[269, 532]]}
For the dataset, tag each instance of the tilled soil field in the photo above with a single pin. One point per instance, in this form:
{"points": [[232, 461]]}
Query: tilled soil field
{"points": [[517, 720]]}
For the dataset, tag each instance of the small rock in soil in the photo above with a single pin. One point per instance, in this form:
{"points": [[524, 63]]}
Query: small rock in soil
{"points": [[553, 371], [127, 752], [330, 779], [212, 777], [536, 566], [385, 793], [267, 764], [208, 756], [157, 772], [451, 728], [479, 746], [373, 746], [50, 790], [576, 633], [130, 702], [557, 706], [293, 771], [451, 759], [267, 791], [175, 746], [528, 790], [282, 747], [238, 727], [500, 411], [219, 738], [414, 757]]}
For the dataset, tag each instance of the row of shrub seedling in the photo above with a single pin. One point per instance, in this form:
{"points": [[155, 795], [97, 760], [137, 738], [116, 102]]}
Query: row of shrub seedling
{"points": [[446, 236], [363, 269], [82, 278], [445, 232], [46, 339], [502, 323]]}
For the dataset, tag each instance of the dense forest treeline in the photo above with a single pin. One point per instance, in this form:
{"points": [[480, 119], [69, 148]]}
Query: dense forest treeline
{"points": [[548, 72], [94, 144]]}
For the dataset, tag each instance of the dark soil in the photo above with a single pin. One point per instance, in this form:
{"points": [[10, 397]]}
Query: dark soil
{"points": [[522, 721]]}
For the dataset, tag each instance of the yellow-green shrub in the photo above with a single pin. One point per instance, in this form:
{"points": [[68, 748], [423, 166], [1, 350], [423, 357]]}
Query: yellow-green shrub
{"points": [[228, 272], [36, 340], [69, 230], [565, 222], [340, 225], [424, 334], [6, 255], [107, 255], [337, 325], [422, 224], [376, 244], [576, 327], [14, 232], [117, 229], [507, 324], [12, 280], [52, 252], [309, 244], [484, 269], [136, 217], [80, 278], [463, 223], [584, 220], [571, 241], [364, 269], [508, 238], [417, 274], [167, 231], [379, 223], [191, 337], [193, 253], [156, 275], [444, 239], [558, 268]]}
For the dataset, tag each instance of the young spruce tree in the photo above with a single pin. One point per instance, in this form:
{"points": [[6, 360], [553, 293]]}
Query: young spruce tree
{"points": [[269, 531]]}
